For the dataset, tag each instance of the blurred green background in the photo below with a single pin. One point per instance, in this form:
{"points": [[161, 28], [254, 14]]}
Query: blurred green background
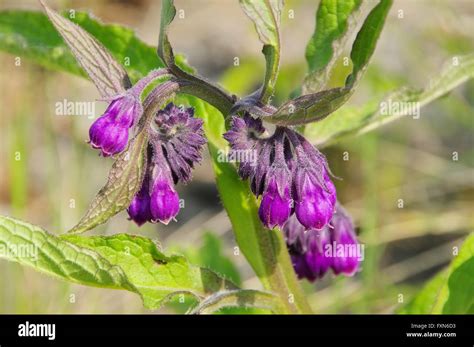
{"points": [[411, 197]]}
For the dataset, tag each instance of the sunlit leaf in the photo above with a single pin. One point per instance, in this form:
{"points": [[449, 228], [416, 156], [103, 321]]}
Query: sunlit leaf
{"points": [[32, 246], [156, 276], [366, 41], [121, 261]]}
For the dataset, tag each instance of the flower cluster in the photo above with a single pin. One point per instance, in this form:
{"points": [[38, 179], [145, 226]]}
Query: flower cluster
{"points": [[290, 174], [293, 179], [176, 140], [314, 252], [109, 133]]}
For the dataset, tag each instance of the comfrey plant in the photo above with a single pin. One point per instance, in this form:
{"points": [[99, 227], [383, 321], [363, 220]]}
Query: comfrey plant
{"points": [[280, 197]]}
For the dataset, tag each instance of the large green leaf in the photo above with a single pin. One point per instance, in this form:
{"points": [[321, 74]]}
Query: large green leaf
{"points": [[314, 107], [32, 246], [31, 35], [266, 15], [335, 20], [122, 261], [155, 276], [353, 121], [452, 291]]}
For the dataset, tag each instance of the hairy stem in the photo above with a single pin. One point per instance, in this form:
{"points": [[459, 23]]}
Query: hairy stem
{"points": [[206, 91]]}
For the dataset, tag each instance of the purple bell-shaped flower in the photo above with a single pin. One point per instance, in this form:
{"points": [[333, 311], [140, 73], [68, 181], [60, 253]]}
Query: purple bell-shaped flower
{"points": [[347, 254], [109, 132], [286, 170]]}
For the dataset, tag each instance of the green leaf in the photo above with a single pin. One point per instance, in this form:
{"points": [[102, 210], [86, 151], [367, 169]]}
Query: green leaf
{"points": [[366, 41], [349, 122], [107, 74], [123, 183], [155, 276], [120, 261], [452, 291], [310, 108], [335, 20], [266, 15], [32, 246], [31, 35], [314, 107], [165, 51]]}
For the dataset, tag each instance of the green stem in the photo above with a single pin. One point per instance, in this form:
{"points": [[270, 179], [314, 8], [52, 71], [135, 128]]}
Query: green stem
{"points": [[279, 276], [206, 91]]}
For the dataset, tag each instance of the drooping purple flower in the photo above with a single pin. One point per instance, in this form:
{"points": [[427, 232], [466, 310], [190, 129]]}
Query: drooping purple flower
{"points": [[176, 140], [164, 200], [347, 254], [314, 192], [314, 252], [139, 209], [109, 132], [276, 205], [307, 249], [275, 208], [313, 206], [288, 162]]}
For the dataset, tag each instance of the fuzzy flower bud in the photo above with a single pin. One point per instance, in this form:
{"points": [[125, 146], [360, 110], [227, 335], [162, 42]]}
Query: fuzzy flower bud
{"points": [[109, 132]]}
